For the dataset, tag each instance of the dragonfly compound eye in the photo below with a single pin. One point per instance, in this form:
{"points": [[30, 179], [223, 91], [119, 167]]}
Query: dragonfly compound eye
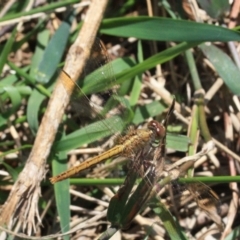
{"points": [[157, 128]]}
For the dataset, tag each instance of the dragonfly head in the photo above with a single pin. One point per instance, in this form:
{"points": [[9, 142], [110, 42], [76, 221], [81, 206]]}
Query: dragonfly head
{"points": [[158, 129]]}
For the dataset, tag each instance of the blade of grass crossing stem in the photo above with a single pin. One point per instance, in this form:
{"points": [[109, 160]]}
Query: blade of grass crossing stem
{"points": [[62, 194]]}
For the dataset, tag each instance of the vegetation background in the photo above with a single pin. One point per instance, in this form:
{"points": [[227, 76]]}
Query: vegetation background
{"points": [[158, 49]]}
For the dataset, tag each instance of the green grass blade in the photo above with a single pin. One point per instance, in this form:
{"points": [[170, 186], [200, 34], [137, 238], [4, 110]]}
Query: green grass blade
{"points": [[224, 66], [25, 146], [15, 98], [212, 179], [151, 62], [165, 29], [7, 49], [54, 51], [96, 181], [215, 8], [146, 111], [171, 226], [102, 83], [137, 83], [177, 142], [234, 234], [33, 108], [29, 79], [42, 42], [11, 171], [62, 195], [119, 181]]}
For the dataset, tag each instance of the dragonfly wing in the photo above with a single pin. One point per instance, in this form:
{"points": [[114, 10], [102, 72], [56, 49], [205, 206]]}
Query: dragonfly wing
{"points": [[208, 201]]}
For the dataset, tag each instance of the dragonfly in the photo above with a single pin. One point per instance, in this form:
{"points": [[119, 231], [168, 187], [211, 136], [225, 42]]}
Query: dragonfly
{"points": [[122, 210], [151, 161], [127, 146], [146, 150]]}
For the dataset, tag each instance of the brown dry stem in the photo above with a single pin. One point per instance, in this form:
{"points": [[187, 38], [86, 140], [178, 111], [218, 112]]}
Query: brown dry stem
{"points": [[22, 203]]}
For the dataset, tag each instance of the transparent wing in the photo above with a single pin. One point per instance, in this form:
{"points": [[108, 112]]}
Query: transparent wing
{"points": [[95, 99], [207, 200]]}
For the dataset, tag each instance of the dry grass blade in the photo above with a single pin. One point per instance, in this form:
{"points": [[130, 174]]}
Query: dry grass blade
{"points": [[22, 204]]}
